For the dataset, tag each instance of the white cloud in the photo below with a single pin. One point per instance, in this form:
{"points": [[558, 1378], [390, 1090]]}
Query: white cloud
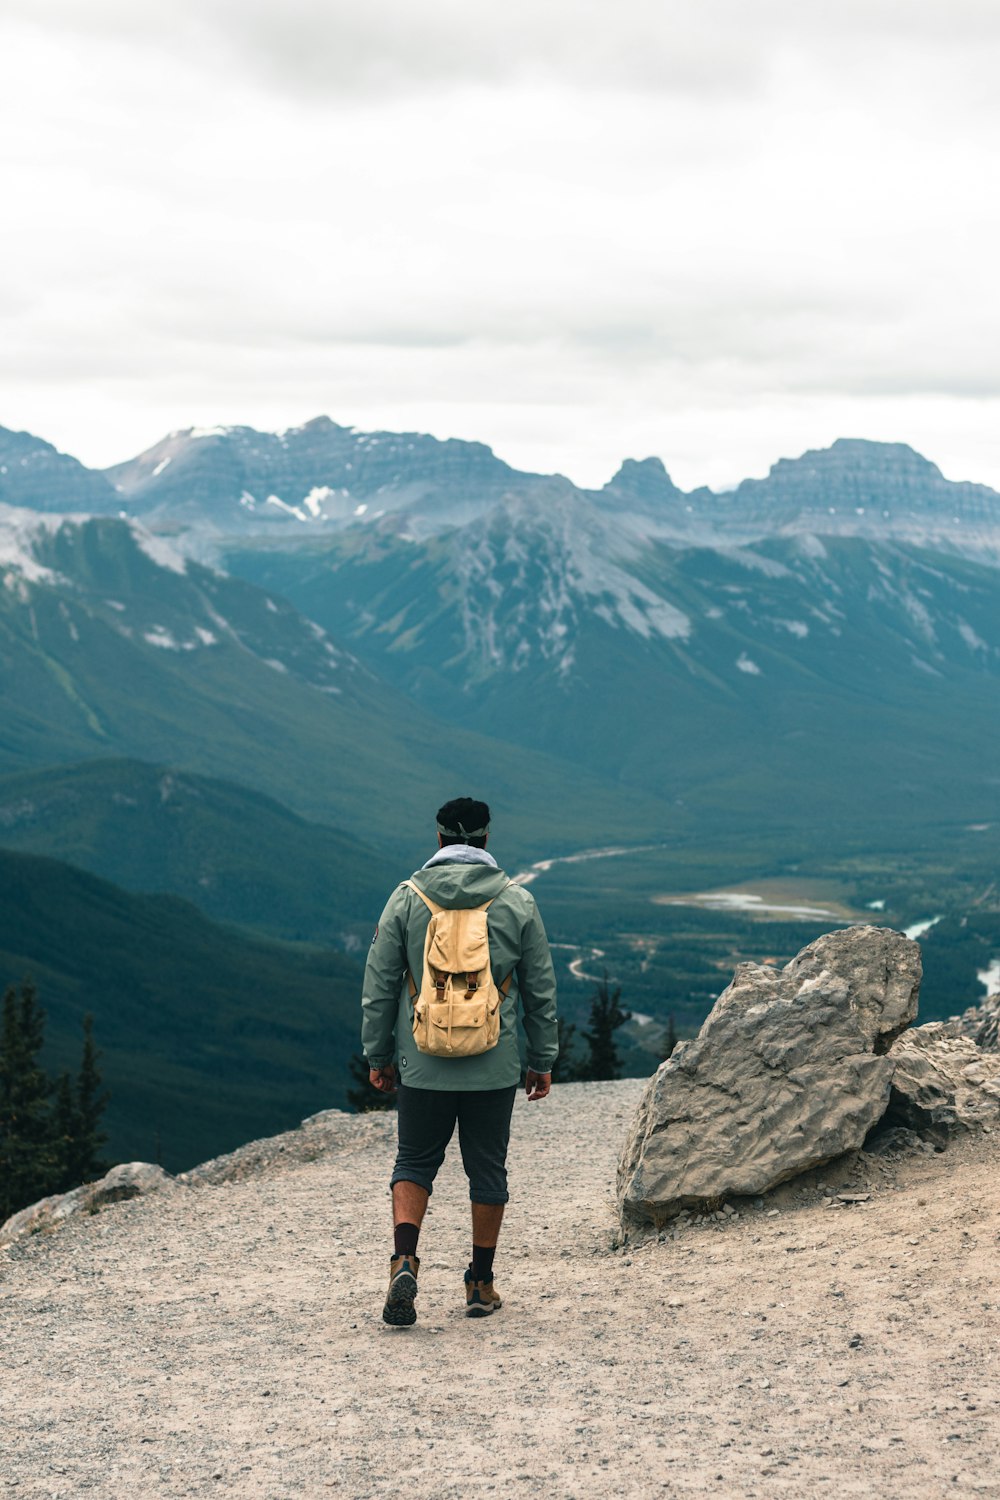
{"points": [[720, 232]]}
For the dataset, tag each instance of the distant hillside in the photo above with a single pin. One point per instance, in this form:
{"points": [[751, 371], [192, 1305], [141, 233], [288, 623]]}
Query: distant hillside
{"points": [[236, 854], [209, 1037]]}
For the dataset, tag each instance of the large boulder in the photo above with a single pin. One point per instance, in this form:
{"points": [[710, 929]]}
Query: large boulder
{"points": [[942, 1083], [789, 1070]]}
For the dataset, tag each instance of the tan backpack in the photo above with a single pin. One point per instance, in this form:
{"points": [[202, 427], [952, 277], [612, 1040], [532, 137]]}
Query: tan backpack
{"points": [[456, 1011]]}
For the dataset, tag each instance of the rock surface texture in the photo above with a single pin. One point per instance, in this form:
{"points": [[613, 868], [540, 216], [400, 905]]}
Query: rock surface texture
{"points": [[943, 1083], [980, 1023], [789, 1071]]}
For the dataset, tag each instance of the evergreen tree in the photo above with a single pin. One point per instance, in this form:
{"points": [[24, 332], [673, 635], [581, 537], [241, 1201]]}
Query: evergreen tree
{"points": [[364, 1098], [565, 1069], [47, 1145], [86, 1162], [65, 1125], [606, 1015], [29, 1156], [669, 1038]]}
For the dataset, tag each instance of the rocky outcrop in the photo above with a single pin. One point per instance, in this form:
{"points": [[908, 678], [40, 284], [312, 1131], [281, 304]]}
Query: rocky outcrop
{"points": [[988, 1035], [980, 1024], [789, 1070], [128, 1180], [943, 1084], [332, 1130]]}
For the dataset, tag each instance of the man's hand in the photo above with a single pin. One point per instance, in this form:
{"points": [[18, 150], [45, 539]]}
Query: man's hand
{"points": [[383, 1079], [537, 1085]]}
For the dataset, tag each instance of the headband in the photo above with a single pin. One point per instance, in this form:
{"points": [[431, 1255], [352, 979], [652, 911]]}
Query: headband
{"points": [[467, 833]]}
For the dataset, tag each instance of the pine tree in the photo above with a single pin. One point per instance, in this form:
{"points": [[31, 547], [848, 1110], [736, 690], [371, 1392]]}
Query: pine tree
{"points": [[565, 1069], [85, 1163], [65, 1120], [47, 1144], [29, 1156], [364, 1098], [606, 1015]]}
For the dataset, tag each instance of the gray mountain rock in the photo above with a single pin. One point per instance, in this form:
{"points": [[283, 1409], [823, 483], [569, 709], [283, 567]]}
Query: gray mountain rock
{"points": [[988, 1035], [36, 475], [306, 479], [866, 489], [789, 1070], [979, 1023], [943, 1083]]}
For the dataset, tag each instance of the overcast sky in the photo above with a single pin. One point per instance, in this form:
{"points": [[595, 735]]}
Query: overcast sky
{"points": [[719, 230]]}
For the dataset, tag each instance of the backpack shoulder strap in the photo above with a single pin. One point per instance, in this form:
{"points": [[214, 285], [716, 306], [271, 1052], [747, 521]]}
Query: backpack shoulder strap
{"points": [[487, 904], [504, 986], [432, 906]]}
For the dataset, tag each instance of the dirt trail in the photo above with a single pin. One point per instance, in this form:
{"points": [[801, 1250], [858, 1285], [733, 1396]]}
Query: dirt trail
{"points": [[227, 1340]]}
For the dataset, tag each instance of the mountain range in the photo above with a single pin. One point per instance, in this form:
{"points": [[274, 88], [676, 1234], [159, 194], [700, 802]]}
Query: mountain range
{"points": [[842, 612]]}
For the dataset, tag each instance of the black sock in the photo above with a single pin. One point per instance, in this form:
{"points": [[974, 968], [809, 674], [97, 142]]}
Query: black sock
{"points": [[406, 1236], [482, 1262]]}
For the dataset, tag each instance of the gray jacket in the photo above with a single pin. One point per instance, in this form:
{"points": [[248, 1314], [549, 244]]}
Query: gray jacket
{"points": [[518, 945]]}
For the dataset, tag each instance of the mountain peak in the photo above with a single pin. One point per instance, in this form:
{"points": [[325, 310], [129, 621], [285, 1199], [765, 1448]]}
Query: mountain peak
{"points": [[35, 475], [642, 479], [858, 457], [317, 425]]}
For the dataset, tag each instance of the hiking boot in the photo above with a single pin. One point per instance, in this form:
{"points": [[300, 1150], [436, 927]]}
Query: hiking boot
{"points": [[480, 1297], [399, 1309]]}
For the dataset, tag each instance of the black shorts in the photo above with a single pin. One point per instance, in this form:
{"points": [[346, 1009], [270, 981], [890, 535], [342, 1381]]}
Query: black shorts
{"points": [[427, 1122]]}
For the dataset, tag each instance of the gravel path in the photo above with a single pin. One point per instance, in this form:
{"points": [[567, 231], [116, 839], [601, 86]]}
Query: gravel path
{"points": [[226, 1339]]}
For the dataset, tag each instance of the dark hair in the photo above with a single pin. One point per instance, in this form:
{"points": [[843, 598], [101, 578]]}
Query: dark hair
{"points": [[461, 813]]}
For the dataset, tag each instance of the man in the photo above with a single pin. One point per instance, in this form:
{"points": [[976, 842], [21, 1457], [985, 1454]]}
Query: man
{"points": [[476, 1091]]}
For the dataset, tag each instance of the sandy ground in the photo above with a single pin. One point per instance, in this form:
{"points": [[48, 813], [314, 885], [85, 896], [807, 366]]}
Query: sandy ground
{"points": [[227, 1340]]}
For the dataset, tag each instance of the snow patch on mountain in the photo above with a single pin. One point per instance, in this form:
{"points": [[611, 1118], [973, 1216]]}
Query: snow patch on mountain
{"points": [[754, 562], [810, 546], [157, 549], [797, 628], [313, 502], [974, 641], [161, 636], [919, 614], [291, 510], [20, 531]]}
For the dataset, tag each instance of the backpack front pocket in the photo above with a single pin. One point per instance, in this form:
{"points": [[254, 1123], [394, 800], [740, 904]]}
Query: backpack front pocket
{"points": [[461, 1028]]}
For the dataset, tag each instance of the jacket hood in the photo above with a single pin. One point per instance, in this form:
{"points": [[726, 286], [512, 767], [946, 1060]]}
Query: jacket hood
{"points": [[457, 885]]}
